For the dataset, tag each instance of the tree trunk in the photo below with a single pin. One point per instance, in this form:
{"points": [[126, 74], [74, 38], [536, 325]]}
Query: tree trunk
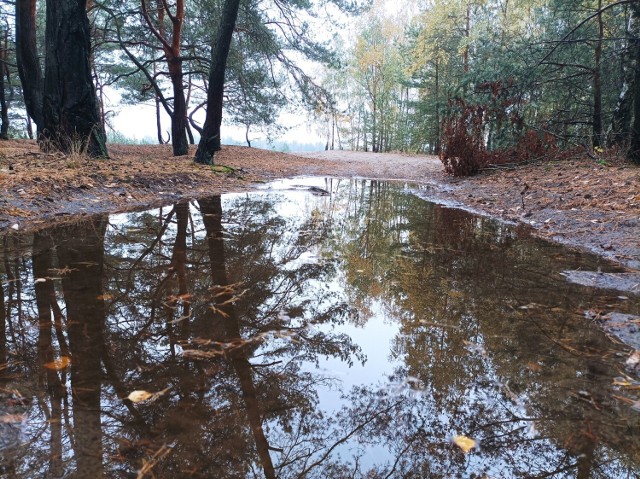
{"points": [[621, 119], [4, 107], [438, 140], [597, 85], [467, 34], [71, 118], [159, 122], [179, 142], [210, 138], [171, 47], [634, 147], [27, 59], [29, 127]]}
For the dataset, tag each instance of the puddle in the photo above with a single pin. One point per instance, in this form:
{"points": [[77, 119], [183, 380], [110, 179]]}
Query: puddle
{"points": [[291, 333]]}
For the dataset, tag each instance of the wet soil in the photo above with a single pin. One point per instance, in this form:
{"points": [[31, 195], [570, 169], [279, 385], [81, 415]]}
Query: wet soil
{"points": [[579, 202]]}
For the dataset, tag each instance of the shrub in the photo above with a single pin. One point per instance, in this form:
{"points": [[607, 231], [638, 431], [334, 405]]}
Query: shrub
{"points": [[464, 149]]}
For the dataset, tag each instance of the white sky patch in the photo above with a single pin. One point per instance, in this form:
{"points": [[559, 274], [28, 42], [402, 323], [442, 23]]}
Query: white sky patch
{"points": [[138, 122]]}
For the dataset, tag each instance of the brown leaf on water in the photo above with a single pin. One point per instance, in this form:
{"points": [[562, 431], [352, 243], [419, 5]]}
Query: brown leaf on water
{"points": [[535, 367], [198, 354], [12, 418], [59, 364], [61, 271], [626, 383], [464, 443], [104, 297]]}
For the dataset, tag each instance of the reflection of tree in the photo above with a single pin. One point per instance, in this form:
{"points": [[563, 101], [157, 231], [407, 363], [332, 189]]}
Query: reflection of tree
{"points": [[81, 253], [477, 338], [48, 309], [224, 322], [244, 377], [226, 308], [3, 326]]}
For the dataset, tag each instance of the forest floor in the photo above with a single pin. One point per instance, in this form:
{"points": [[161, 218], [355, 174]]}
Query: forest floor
{"points": [[579, 202]]}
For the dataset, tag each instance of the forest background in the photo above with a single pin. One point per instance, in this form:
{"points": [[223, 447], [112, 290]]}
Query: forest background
{"points": [[478, 82]]}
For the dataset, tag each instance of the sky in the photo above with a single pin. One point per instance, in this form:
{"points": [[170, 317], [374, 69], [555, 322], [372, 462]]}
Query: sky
{"points": [[138, 122]]}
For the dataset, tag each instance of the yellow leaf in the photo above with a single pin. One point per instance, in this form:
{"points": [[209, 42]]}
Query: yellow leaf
{"points": [[621, 382], [465, 443], [59, 364], [139, 396]]}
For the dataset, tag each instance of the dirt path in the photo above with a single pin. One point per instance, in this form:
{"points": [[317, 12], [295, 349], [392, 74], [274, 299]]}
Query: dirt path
{"points": [[390, 166], [581, 203]]}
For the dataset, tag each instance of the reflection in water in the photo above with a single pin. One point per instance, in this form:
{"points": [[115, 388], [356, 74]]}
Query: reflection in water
{"points": [[281, 334]]}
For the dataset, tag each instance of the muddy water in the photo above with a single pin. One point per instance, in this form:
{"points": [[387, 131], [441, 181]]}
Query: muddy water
{"points": [[292, 333]]}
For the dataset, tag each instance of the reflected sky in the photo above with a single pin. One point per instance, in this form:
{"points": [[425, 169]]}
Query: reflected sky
{"points": [[313, 328]]}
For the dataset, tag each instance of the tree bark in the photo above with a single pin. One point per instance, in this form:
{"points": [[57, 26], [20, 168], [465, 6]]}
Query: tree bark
{"points": [[4, 107], [179, 143], [620, 128], [210, 137], [71, 117], [438, 140], [171, 47], [597, 85], [634, 147], [27, 59]]}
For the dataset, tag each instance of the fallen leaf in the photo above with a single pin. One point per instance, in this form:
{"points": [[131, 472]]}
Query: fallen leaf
{"points": [[139, 396], [11, 418], [535, 367], [529, 306], [465, 443], [633, 360], [622, 382], [59, 364]]}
